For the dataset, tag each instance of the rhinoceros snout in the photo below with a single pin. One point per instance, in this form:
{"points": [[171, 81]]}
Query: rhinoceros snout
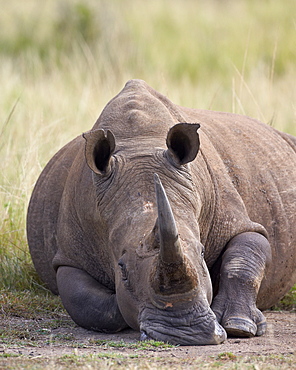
{"points": [[218, 336], [189, 327]]}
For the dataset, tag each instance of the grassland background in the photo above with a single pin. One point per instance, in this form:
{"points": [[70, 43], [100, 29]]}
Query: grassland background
{"points": [[61, 61]]}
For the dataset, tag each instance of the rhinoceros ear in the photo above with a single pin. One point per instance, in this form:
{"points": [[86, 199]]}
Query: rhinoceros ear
{"points": [[99, 147], [183, 142]]}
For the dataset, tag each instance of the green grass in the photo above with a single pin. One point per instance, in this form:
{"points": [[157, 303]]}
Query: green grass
{"points": [[61, 62], [288, 302], [30, 305], [138, 346]]}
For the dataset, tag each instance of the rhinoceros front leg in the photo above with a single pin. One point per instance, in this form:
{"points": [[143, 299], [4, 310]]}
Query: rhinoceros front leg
{"points": [[89, 303], [243, 266]]}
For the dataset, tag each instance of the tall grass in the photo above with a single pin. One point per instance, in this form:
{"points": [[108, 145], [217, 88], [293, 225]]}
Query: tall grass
{"points": [[61, 61]]}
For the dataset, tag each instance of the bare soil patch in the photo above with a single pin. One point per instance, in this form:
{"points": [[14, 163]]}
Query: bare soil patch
{"points": [[59, 342]]}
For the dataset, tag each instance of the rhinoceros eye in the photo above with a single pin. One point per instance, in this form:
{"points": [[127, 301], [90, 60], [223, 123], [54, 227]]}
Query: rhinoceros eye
{"points": [[123, 269], [203, 252]]}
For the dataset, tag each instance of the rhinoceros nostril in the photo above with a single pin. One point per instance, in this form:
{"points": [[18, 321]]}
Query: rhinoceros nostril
{"points": [[144, 336]]}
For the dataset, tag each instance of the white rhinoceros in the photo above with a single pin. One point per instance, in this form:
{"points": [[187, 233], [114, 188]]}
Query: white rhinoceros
{"points": [[176, 222]]}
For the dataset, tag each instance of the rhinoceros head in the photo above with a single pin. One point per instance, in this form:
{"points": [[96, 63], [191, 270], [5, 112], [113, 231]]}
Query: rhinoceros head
{"points": [[148, 211]]}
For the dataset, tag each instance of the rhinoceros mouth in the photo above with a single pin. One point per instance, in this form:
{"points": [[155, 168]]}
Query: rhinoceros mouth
{"points": [[185, 327]]}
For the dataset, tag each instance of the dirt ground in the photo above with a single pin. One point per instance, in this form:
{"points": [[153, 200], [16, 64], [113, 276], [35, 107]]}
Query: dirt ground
{"points": [[56, 338]]}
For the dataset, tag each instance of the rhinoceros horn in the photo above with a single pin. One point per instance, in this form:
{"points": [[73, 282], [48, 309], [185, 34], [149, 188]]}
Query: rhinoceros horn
{"points": [[170, 247], [173, 274]]}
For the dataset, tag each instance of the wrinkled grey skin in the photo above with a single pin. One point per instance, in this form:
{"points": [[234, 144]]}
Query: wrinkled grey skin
{"points": [[180, 232]]}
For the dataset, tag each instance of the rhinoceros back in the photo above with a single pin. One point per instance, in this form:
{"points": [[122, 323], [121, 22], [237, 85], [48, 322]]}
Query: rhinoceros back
{"points": [[260, 163], [44, 209]]}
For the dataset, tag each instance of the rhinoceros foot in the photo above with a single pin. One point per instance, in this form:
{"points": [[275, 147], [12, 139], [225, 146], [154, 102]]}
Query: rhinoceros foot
{"points": [[241, 274], [240, 321], [242, 327]]}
